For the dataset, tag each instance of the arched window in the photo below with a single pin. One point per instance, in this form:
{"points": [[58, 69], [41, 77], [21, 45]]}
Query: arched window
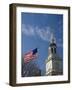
{"points": [[51, 50], [54, 50]]}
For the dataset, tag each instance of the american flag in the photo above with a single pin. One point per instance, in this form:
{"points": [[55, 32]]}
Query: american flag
{"points": [[30, 55]]}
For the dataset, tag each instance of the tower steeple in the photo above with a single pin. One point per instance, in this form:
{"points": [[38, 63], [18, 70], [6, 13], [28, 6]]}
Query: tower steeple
{"points": [[54, 64], [52, 46]]}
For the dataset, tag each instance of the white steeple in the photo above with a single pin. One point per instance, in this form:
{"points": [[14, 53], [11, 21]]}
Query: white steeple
{"points": [[54, 64]]}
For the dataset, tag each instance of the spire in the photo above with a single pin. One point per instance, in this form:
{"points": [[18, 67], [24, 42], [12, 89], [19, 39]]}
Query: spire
{"points": [[53, 40], [52, 46]]}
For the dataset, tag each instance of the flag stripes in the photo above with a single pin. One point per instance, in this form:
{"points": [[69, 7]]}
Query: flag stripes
{"points": [[30, 55]]}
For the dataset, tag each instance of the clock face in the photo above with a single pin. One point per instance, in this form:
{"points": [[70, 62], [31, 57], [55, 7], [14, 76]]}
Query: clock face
{"points": [[49, 66]]}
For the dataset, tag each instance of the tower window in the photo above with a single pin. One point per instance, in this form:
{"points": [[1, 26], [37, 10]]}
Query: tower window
{"points": [[52, 50], [55, 50]]}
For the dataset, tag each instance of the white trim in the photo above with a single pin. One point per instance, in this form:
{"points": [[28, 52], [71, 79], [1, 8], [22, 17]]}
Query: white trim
{"points": [[20, 79]]}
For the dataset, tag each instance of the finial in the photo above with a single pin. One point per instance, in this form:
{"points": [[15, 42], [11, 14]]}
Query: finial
{"points": [[53, 40]]}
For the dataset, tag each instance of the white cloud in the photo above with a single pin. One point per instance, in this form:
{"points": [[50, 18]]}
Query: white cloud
{"points": [[27, 30], [43, 33]]}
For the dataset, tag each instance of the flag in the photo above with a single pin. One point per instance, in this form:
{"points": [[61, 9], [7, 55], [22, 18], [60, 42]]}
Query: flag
{"points": [[30, 55]]}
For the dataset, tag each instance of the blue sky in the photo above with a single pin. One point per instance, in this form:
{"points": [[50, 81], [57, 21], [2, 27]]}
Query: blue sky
{"points": [[36, 33]]}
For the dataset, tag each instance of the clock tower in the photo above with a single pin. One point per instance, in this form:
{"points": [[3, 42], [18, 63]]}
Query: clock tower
{"points": [[54, 64]]}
